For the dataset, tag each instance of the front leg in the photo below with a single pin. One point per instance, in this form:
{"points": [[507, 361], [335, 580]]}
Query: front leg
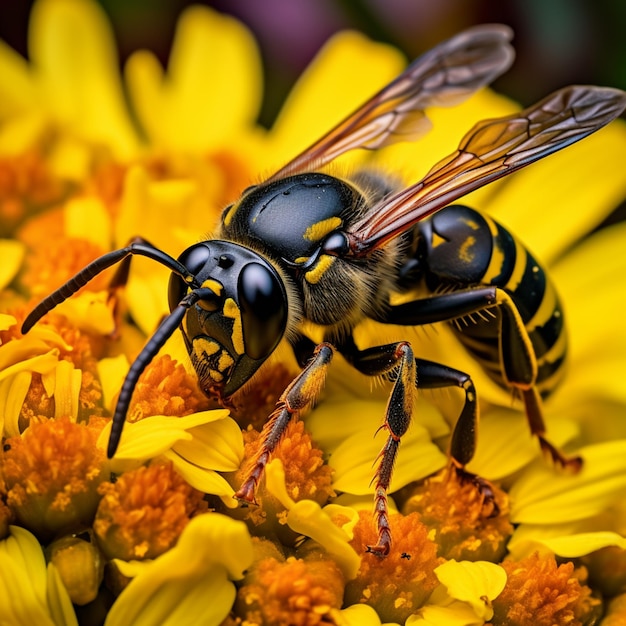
{"points": [[397, 360], [300, 393]]}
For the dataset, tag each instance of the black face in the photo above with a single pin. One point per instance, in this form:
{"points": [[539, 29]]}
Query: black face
{"points": [[231, 335], [292, 217]]}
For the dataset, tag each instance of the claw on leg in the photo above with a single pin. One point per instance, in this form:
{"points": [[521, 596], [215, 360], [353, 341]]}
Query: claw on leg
{"points": [[383, 546], [572, 464], [482, 486]]}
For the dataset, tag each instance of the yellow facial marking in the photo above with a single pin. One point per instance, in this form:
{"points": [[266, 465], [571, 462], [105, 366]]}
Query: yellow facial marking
{"points": [[315, 275], [232, 310], [213, 285], [225, 361], [203, 348], [317, 231], [465, 251], [215, 376]]}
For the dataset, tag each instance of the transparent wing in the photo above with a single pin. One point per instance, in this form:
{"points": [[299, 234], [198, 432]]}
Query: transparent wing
{"points": [[490, 150], [444, 76]]}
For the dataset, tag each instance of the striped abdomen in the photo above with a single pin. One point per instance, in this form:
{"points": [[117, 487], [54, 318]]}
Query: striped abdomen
{"points": [[465, 248]]}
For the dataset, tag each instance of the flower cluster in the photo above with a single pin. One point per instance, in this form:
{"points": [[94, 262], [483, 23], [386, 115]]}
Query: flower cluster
{"points": [[90, 160]]}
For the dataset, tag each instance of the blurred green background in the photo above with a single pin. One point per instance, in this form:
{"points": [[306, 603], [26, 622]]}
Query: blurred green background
{"points": [[557, 41]]}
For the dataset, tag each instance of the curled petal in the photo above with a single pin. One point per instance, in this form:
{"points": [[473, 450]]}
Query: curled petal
{"points": [[308, 518], [173, 589], [476, 583]]}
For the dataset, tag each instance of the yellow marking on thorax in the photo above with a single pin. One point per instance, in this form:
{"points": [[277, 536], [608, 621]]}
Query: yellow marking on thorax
{"points": [[213, 285], [315, 275], [230, 213], [474, 225], [232, 310], [437, 240], [315, 232], [497, 254]]}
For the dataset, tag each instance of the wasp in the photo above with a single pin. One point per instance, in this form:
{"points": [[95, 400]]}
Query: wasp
{"points": [[306, 248]]}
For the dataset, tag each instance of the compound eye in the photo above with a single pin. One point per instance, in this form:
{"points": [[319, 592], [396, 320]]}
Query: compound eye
{"points": [[194, 259], [263, 306]]}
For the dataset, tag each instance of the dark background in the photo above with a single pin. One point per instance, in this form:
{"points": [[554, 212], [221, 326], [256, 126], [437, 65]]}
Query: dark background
{"points": [[557, 41]]}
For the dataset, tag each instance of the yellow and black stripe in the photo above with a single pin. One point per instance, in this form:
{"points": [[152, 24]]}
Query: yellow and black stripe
{"points": [[467, 248]]}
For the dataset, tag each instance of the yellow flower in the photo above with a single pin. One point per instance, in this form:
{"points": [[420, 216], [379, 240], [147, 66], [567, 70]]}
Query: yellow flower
{"points": [[30, 591], [83, 173], [212, 551]]}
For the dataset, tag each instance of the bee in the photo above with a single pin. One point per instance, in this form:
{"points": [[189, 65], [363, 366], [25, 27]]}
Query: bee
{"points": [[309, 249]]}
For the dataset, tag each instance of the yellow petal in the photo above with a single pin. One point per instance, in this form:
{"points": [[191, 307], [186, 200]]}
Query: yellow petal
{"points": [[505, 443], [355, 458], [72, 45], [23, 580], [173, 589], [346, 72], [202, 479], [13, 391], [476, 583], [276, 484], [454, 614], [59, 601], [112, 372], [212, 88], [88, 218], [544, 496], [359, 615], [6, 321], [592, 283], [65, 388], [12, 254], [216, 445], [308, 518], [143, 440], [17, 89], [412, 160], [553, 203], [41, 363], [565, 540]]}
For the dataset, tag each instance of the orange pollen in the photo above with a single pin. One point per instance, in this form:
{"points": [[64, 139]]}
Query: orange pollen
{"points": [[142, 514], [294, 591], [165, 388], [454, 512], [51, 473], [53, 260], [542, 593], [26, 183], [399, 584], [306, 473]]}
